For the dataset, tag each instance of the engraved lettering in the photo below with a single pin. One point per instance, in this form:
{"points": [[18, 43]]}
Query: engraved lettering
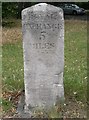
{"points": [[52, 44], [42, 45], [42, 26], [42, 37]]}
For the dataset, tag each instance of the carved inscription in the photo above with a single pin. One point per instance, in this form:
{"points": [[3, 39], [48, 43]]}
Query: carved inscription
{"points": [[35, 16], [43, 35], [42, 27], [42, 46]]}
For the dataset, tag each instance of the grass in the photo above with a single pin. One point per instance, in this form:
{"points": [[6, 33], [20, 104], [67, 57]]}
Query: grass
{"points": [[75, 72], [75, 69], [13, 71], [12, 64]]}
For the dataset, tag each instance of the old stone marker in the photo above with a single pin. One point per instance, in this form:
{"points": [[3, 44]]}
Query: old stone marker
{"points": [[43, 44]]}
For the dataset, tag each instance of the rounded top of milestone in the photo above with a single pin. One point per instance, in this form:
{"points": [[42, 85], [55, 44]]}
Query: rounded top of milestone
{"points": [[41, 7]]}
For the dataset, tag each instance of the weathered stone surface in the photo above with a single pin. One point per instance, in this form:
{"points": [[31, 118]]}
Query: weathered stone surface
{"points": [[43, 44]]}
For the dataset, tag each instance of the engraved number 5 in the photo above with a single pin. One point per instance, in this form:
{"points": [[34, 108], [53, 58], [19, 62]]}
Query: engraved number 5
{"points": [[42, 37]]}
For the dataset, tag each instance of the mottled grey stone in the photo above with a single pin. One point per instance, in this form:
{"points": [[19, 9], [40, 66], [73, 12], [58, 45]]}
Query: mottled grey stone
{"points": [[43, 45]]}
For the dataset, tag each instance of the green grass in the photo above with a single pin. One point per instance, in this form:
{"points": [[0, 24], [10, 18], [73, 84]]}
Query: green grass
{"points": [[51, 113], [7, 104], [12, 70], [75, 70]]}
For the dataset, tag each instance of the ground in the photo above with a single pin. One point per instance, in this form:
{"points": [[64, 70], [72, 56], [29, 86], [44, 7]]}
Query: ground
{"points": [[75, 69]]}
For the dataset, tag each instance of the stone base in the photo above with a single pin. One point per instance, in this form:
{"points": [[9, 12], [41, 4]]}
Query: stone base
{"points": [[20, 108], [23, 112]]}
